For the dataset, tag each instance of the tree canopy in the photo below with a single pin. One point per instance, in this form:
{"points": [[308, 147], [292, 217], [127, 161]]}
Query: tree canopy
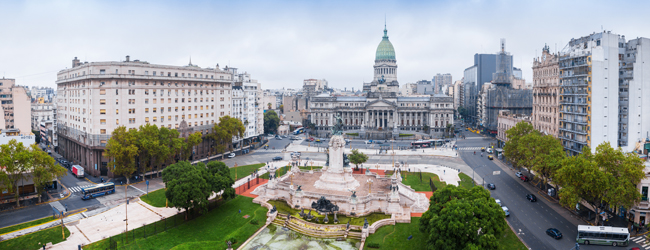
{"points": [[513, 150], [544, 154], [122, 149], [224, 131], [609, 176], [460, 218], [44, 169], [271, 122], [221, 179], [357, 157], [188, 186]]}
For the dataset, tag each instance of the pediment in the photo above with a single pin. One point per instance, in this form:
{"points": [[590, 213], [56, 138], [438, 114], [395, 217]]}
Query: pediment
{"points": [[381, 103]]}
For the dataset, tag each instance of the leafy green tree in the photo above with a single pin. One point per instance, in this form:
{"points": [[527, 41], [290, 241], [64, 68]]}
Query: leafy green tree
{"points": [[221, 179], [357, 157], [44, 169], [271, 122], [607, 177], [122, 149], [189, 143], [513, 149], [37, 136], [188, 186], [149, 146], [462, 111], [281, 108], [223, 132], [460, 218], [16, 160], [545, 154]]}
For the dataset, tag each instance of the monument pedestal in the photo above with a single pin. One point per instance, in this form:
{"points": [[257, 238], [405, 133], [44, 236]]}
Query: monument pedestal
{"points": [[337, 177]]}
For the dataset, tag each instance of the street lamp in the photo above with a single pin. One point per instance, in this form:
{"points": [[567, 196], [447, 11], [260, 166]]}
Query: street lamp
{"points": [[473, 172], [369, 181]]}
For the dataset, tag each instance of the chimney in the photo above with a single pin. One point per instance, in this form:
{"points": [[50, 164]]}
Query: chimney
{"points": [[128, 58]]}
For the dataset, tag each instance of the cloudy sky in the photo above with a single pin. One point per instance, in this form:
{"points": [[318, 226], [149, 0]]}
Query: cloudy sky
{"points": [[283, 42]]}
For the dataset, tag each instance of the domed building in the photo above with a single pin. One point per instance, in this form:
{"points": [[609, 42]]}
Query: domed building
{"points": [[381, 113]]}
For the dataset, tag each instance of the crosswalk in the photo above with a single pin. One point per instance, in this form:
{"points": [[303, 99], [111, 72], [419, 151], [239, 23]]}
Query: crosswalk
{"points": [[269, 150], [77, 188], [641, 241], [469, 148]]}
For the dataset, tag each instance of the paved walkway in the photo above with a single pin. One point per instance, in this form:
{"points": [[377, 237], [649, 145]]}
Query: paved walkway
{"points": [[374, 150]]}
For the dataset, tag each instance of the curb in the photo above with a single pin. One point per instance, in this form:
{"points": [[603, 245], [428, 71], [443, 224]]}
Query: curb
{"points": [[27, 227], [46, 202], [518, 237], [84, 210]]}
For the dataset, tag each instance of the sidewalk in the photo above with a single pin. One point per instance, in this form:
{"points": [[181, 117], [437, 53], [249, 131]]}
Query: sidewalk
{"points": [[374, 149]]}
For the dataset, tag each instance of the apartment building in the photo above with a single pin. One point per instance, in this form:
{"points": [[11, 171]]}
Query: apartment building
{"points": [[506, 120], [41, 112], [546, 93], [16, 105], [604, 90], [95, 98]]}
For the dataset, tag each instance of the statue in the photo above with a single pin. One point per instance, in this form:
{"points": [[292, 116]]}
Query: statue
{"points": [[365, 223], [298, 190], [229, 245], [346, 161], [323, 205], [273, 210], [337, 129], [347, 227], [327, 162]]}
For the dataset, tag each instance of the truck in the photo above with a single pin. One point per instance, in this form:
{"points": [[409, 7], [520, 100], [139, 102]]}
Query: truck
{"points": [[78, 171]]}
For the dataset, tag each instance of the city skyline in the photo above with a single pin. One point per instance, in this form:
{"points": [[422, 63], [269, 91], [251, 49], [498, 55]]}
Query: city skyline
{"points": [[283, 43]]}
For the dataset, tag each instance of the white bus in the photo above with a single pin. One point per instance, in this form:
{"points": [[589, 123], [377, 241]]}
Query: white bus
{"points": [[601, 235]]}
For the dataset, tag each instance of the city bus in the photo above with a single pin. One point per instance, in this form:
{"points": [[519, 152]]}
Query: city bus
{"points": [[299, 131], [601, 235], [97, 190]]}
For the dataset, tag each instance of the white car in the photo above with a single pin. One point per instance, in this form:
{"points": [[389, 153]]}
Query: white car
{"points": [[505, 209], [231, 155], [296, 153], [498, 201], [368, 142], [518, 174]]}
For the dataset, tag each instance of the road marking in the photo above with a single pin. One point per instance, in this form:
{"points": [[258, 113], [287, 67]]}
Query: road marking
{"points": [[138, 189]]}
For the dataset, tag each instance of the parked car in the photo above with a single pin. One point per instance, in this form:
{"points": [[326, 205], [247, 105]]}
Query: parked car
{"points": [[490, 151], [277, 158], [490, 157], [524, 178], [497, 201], [506, 210], [491, 186], [231, 155], [311, 139], [553, 232], [277, 137], [368, 142], [284, 136], [379, 142], [518, 174], [295, 153], [295, 138], [531, 197]]}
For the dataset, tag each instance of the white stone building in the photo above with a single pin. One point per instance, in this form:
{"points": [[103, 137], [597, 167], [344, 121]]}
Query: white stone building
{"points": [[16, 105], [41, 112]]}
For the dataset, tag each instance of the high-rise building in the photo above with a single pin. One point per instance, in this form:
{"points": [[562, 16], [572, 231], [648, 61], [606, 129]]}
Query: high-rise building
{"points": [[440, 81], [95, 98], [473, 79], [16, 105], [546, 93]]}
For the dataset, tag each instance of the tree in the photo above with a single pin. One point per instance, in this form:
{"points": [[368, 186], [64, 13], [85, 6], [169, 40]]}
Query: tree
{"points": [[149, 146], [281, 108], [449, 129], [608, 177], [189, 143], [44, 170], [512, 150], [269, 105], [16, 160], [462, 111], [187, 186], [122, 150], [221, 179], [460, 218], [357, 157], [37, 136], [426, 128], [223, 132], [271, 121], [544, 154]]}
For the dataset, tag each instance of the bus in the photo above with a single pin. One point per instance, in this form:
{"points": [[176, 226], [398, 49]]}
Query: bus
{"points": [[601, 235], [299, 131], [97, 190], [421, 144]]}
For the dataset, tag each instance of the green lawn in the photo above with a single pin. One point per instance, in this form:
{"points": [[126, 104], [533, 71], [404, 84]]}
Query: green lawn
{"points": [[245, 170], [209, 231], [396, 237], [465, 181], [35, 240], [155, 198], [279, 172], [307, 168], [283, 207], [412, 179], [9, 229]]}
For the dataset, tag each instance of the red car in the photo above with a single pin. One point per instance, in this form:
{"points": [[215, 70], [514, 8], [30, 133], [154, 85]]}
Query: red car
{"points": [[311, 139], [524, 178]]}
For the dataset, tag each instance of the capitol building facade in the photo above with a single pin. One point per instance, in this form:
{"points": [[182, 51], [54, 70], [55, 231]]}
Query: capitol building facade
{"points": [[381, 113]]}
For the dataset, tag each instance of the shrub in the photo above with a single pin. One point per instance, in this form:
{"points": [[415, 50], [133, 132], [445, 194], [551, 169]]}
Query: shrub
{"points": [[405, 135], [352, 134], [373, 245], [254, 222]]}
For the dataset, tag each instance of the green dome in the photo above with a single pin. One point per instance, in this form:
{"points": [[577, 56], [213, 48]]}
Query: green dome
{"points": [[385, 50]]}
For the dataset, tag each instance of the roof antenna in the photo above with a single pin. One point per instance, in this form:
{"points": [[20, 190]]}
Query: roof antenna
{"points": [[384, 20], [190, 60]]}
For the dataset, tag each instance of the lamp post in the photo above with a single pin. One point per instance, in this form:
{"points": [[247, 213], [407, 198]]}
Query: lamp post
{"points": [[473, 172], [369, 181]]}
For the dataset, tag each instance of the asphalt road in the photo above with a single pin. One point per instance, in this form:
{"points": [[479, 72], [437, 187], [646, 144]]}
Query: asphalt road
{"points": [[529, 219]]}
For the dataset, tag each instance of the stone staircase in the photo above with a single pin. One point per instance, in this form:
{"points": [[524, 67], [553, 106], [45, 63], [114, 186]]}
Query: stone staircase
{"points": [[281, 221]]}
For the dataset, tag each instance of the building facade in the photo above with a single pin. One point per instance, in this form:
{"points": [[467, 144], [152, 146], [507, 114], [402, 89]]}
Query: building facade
{"points": [[506, 121], [16, 105], [95, 98], [473, 79], [41, 112], [546, 93], [440, 81], [381, 113]]}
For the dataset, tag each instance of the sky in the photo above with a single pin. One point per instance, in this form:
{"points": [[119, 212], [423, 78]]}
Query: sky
{"points": [[281, 43]]}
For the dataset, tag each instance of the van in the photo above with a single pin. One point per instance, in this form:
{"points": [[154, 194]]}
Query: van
{"points": [[490, 151]]}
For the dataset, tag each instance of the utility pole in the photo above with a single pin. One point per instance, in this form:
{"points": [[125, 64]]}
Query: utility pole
{"points": [[62, 231], [126, 209]]}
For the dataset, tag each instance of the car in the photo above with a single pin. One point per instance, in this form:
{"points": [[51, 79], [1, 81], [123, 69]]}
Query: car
{"points": [[278, 137], [347, 141], [277, 158], [507, 211], [296, 153], [490, 157], [379, 142], [491, 186], [497, 201], [635, 248], [518, 174], [482, 149], [231, 155], [284, 136], [311, 139], [318, 141], [294, 138], [524, 178], [49, 152], [553, 232], [490, 151], [368, 142], [531, 197]]}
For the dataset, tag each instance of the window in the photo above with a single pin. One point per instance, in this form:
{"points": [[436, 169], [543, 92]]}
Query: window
{"points": [[117, 121], [146, 119], [117, 111], [644, 193], [102, 101], [102, 131], [146, 101], [131, 120], [102, 92], [154, 110], [102, 71], [102, 111], [102, 121], [146, 110], [131, 111], [117, 101]]}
